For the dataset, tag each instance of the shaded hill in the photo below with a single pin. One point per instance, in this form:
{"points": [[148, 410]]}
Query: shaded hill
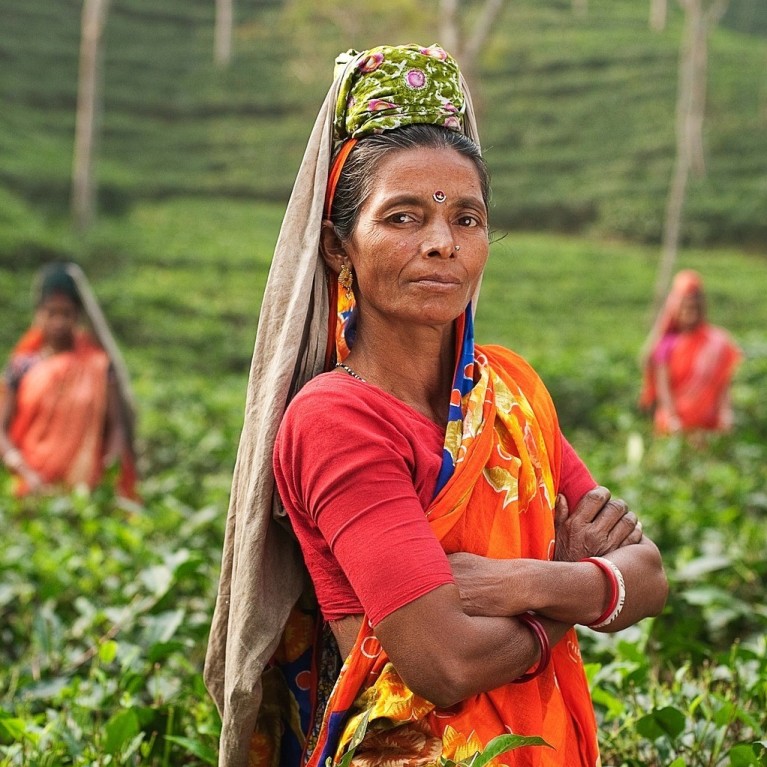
{"points": [[577, 115]]}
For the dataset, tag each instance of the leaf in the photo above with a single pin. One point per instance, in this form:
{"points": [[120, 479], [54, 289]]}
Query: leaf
{"points": [[108, 651], [668, 721], [743, 755], [120, 729], [162, 627], [162, 650], [201, 750], [11, 728], [497, 746], [614, 705], [158, 579], [694, 570], [359, 734]]}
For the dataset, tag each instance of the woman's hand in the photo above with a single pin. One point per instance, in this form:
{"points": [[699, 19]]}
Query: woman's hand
{"points": [[32, 479], [598, 525]]}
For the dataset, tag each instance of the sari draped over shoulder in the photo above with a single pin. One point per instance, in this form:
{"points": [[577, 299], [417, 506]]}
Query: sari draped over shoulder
{"points": [[60, 415], [497, 503]]}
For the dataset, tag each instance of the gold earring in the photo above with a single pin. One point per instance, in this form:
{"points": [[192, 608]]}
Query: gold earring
{"points": [[346, 280]]}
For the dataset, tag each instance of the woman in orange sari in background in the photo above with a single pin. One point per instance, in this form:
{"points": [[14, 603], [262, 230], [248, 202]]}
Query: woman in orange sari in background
{"points": [[64, 414], [689, 364]]}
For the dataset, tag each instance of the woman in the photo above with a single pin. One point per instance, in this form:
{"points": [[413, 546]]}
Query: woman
{"points": [[689, 364], [66, 413], [413, 446]]}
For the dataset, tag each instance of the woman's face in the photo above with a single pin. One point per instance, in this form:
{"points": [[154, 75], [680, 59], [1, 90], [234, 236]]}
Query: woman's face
{"points": [[421, 240], [690, 312], [57, 317]]}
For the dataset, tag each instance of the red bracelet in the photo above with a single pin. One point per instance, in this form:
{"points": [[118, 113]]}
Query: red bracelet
{"points": [[613, 603], [543, 641]]}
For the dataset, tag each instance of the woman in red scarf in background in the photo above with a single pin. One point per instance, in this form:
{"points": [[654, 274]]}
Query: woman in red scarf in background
{"points": [[66, 414], [689, 364]]}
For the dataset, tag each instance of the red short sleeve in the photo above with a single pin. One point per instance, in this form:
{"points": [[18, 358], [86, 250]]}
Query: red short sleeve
{"points": [[575, 479], [353, 469]]}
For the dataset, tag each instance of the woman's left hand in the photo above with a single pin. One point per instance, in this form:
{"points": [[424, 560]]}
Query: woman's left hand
{"points": [[598, 525]]}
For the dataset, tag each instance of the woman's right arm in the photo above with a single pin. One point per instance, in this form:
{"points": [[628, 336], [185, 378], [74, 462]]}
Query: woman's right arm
{"points": [[665, 398], [446, 656], [11, 455]]}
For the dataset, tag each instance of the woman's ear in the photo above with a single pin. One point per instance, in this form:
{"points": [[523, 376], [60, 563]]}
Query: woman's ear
{"points": [[331, 247]]}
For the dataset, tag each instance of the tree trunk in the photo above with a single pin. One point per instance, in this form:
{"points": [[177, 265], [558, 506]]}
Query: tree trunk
{"points": [[466, 50], [222, 33], [88, 113], [698, 82], [580, 7], [448, 26], [690, 113], [481, 32], [658, 12]]}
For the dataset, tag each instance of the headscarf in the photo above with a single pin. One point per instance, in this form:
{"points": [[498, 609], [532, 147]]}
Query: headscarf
{"points": [[262, 571], [686, 283]]}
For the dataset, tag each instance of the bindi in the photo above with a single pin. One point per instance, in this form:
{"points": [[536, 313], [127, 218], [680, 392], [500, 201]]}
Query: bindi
{"points": [[439, 196]]}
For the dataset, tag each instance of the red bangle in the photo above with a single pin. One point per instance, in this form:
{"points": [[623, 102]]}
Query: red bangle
{"points": [[613, 603], [543, 641]]}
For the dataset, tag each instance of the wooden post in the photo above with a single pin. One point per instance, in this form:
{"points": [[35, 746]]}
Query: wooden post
{"points": [[88, 113], [222, 33], [690, 111]]}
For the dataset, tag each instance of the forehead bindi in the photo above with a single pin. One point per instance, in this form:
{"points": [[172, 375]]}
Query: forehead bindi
{"points": [[434, 175]]}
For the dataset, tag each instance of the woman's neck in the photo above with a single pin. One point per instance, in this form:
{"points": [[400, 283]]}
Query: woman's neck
{"points": [[416, 367]]}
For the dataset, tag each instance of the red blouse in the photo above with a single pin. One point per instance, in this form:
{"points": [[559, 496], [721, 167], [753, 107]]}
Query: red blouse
{"points": [[356, 468]]}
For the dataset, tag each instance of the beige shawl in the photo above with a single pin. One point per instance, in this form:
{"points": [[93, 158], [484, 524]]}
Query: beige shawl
{"points": [[262, 571]]}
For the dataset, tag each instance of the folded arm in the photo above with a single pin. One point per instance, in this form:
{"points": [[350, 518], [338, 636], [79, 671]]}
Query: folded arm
{"points": [[566, 588], [447, 656]]}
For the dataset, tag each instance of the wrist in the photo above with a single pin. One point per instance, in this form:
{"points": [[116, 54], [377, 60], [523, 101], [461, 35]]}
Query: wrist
{"points": [[544, 646], [617, 592]]}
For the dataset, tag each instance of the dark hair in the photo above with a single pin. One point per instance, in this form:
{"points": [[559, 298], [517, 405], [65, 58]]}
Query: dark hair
{"points": [[55, 279], [358, 174]]}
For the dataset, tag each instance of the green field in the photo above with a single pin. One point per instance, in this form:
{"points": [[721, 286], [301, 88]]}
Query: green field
{"points": [[104, 607], [577, 113]]}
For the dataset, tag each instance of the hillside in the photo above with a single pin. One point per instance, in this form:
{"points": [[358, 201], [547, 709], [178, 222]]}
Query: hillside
{"points": [[577, 115]]}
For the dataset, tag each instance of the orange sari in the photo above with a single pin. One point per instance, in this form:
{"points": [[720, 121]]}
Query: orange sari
{"points": [[498, 503], [700, 366], [60, 416]]}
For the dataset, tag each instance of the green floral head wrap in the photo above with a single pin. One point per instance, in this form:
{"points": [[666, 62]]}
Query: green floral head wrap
{"points": [[391, 86]]}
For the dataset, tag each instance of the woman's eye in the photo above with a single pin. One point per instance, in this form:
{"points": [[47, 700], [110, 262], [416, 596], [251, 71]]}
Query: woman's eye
{"points": [[468, 220], [400, 218]]}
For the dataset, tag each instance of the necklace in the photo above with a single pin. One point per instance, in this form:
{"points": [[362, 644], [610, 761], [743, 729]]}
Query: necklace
{"points": [[351, 372]]}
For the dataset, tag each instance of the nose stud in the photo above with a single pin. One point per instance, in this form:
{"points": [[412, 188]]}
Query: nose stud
{"points": [[439, 196], [456, 248]]}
